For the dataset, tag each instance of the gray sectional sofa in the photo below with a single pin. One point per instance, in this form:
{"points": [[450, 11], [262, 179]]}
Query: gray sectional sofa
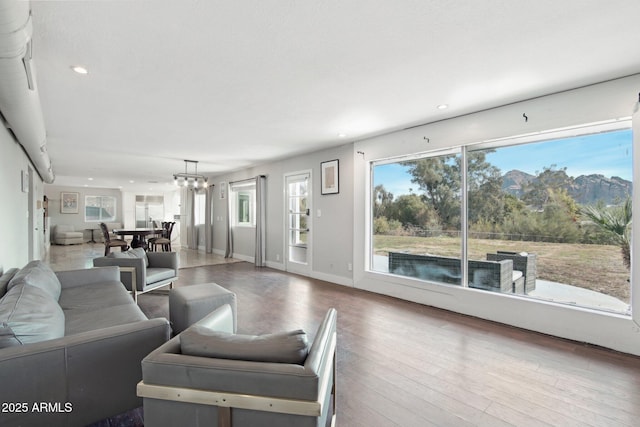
{"points": [[71, 344]]}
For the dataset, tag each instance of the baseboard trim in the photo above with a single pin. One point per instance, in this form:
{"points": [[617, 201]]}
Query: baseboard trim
{"points": [[275, 265], [339, 280]]}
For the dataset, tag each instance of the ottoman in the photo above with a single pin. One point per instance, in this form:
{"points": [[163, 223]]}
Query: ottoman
{"points": [[189, 304]]}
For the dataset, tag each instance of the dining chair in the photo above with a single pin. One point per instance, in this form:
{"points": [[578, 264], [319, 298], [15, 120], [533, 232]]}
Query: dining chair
{"points": [[112, 243], [165, 240]]}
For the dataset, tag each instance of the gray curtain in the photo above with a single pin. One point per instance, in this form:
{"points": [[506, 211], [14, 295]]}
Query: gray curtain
{"points": [[261, 226], [192, 231], [228, 253], [208, 219]]}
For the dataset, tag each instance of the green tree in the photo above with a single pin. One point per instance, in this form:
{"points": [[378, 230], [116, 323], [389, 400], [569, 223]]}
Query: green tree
{"points": [[409, 209], [539, 191], [485, 195], [617, 222], [439, 180], [382, 199]]}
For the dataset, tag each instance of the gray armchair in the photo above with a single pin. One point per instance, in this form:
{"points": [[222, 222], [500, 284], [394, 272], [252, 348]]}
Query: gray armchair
{"points": [[140, 271], [180, 389]]}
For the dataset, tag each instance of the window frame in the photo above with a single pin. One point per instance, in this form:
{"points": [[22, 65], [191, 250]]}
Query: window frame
{"points": [[100, 199], [606, 126], [241, 193]]}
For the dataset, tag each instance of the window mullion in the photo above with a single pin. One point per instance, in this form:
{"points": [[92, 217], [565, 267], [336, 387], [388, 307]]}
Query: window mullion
{"points": [[464, 217]]}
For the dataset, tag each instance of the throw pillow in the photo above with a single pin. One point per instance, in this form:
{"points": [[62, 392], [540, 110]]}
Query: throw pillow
{"points": [[284, 347], [40, 275], [28, 314]]}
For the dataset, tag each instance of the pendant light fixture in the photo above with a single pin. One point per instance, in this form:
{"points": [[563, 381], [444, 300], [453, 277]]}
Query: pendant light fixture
{"points": [[188, 179]]}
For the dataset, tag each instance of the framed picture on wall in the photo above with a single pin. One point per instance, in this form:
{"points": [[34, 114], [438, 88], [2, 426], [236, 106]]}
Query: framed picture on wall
{"points": [[69, 203], [329, 177]]}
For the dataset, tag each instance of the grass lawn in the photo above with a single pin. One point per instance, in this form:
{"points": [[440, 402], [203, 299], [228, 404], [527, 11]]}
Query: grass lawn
{"points": [[595, 267]]}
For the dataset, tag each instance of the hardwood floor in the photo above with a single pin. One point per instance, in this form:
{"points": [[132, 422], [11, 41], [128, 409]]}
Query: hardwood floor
{"points": [[405, 364]]}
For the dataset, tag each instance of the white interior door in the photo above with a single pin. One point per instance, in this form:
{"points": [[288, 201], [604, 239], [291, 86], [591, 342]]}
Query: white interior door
{"points": [[298, 222]]}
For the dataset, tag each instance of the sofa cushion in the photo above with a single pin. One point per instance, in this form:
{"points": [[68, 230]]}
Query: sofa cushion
{"points": [[131, 253], [64, 229], [283, 347], [98, 305], [78, 321], [28, 314], [39, 275], [155, 275], [94, 296], [5, 279]]}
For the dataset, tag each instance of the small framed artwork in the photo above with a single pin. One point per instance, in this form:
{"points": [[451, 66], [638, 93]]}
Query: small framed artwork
{"points": [[330, 177], [69, 203]]}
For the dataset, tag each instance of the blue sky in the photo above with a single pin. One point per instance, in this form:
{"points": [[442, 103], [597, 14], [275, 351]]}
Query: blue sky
{"points": [[608, 154]]}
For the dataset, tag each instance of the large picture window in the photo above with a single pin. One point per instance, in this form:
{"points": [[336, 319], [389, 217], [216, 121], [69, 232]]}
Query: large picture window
{"points": [[99, 208], [546, 218]]}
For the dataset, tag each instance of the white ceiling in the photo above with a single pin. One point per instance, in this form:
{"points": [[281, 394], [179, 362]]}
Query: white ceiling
{"points": [[238, 83]]}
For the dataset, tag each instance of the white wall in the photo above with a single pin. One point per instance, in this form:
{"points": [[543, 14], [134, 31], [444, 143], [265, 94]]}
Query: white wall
{"points": [[77, 219], [14, 209], [611, 100], [332, 242]]}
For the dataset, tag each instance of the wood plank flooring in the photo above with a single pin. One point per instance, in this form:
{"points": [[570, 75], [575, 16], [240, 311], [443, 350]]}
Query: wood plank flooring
{"points": [[405, 364]]}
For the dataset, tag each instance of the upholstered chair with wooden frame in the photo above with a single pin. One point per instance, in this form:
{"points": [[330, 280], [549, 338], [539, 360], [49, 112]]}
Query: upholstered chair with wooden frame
{"points": [[165, 240], [142, 271], [182, 389], [112, 243]]}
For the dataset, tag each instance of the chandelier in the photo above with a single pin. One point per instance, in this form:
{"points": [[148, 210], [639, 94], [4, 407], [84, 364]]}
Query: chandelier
{"points": [[187, 179]]}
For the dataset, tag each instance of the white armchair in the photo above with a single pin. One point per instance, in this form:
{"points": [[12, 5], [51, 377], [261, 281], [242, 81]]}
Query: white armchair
{"points": [[67, 235]]}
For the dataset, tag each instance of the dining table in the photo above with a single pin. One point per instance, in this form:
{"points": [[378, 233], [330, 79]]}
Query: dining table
{"points": [[139, 235]]}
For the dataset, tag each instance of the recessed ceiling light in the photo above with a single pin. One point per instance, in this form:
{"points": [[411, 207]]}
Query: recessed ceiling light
{"points": [[342, 135], [131, 182], [79, 69], [90, 179], [443, 106]]}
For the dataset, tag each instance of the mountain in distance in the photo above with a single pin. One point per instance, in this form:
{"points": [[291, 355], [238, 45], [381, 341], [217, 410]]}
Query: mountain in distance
{"points": [[585, 189], [514, 181]]}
